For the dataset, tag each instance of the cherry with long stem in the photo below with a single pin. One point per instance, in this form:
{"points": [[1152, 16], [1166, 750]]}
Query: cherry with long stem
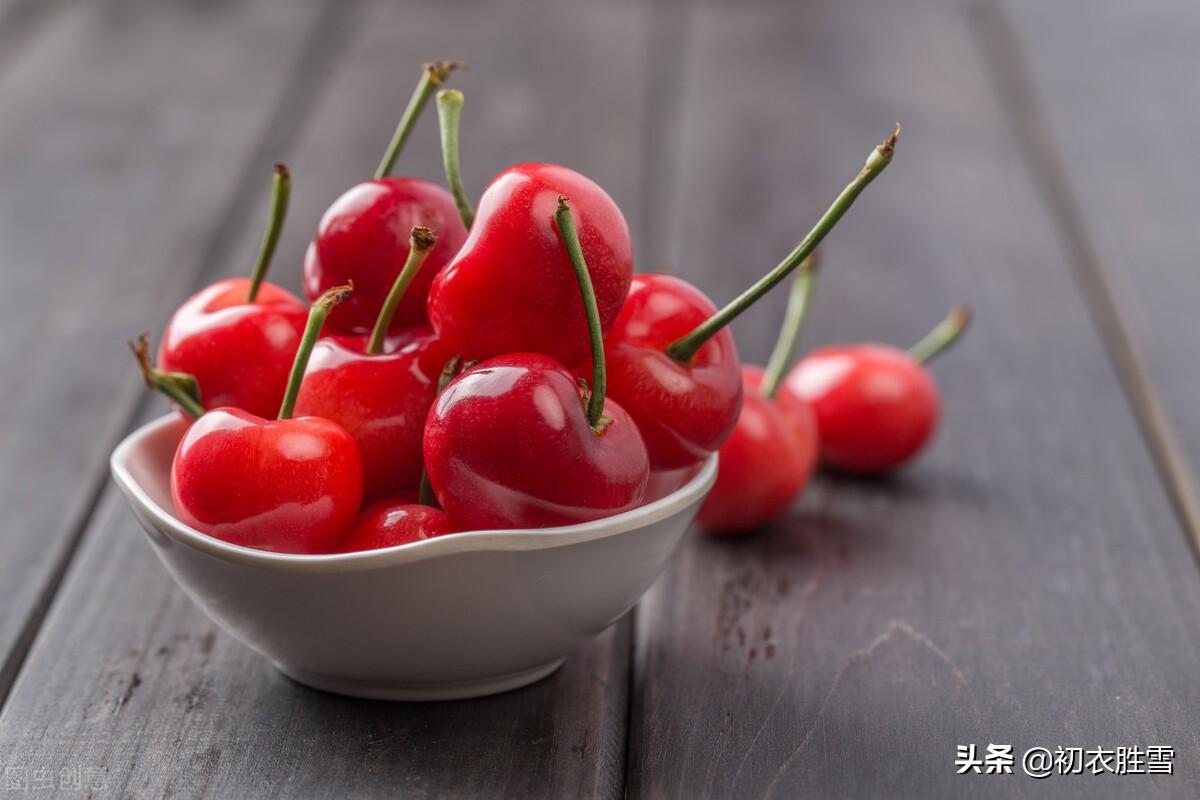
{"points": [[180, 387], [312, 331], [799, 302], [281, 191], [420, 241], [570, 237], [433, 75], [942, 337], [449, 106], [685, 347]]}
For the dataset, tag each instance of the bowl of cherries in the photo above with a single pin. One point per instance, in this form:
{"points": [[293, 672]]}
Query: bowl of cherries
{"points": [[476, 444]]}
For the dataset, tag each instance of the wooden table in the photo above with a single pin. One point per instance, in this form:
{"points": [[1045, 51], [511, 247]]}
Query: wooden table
{"points": [[1031, 581]]}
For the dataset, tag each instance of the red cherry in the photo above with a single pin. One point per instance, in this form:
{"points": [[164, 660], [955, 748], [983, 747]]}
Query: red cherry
{"points": [[876, 406], [508, 445], [510, 289], [684, 411], [673, 363], [391, 522], [292, 485], [237, 337], [765, 463], [363, 238], [515, 443], [381, 399]]}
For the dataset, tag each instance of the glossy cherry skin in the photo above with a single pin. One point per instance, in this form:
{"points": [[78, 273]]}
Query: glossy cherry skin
{"points": [[508, 445], [381, 399], [239, 352], [293, 485], [391, 522], [684, 411], [876, 406], [765, 463], [363, 237], [511, 288]]}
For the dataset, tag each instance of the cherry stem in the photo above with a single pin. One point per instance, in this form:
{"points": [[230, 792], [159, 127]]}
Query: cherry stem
{"points": [[566, 228], [420, 242], [450, 370], [941, 338], [281, 191], [179, 386], [685, 347], [799, 301], [449, 106], [433, 75], [312, 330]]}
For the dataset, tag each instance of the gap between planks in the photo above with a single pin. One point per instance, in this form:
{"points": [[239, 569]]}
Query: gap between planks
{"points": [[326, 41], [1017, 93]]}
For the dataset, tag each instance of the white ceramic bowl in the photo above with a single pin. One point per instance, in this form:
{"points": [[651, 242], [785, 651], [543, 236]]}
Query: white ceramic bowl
{"points": [[463, 615]]}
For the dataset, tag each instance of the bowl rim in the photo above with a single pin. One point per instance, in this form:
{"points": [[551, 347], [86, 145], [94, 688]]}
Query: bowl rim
{"points": [[690, 493]]}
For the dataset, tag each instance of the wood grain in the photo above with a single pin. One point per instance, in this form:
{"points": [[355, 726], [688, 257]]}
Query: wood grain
{"points": [[1027, 582], [127, 126], [1116, 105], [166, 704]]}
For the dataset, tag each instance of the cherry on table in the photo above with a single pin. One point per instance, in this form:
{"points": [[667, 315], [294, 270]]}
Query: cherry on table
{"points": [[876, 406], [768, 459]]}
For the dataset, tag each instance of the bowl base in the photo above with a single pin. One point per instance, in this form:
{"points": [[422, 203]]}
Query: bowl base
{"points": [[460, 690]]}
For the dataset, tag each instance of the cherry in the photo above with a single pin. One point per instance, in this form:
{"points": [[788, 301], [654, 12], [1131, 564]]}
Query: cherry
{"points": [[510, 290], [391, 522], [237, 336], [363, 235], [770, 456], [876, 406], [514, 443], [380, 395], [672, 361], [290, 485], [683, 410]]}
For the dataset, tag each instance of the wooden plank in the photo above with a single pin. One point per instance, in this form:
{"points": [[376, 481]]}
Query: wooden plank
{"points": [[1116, 104], [162, 702], [1027, 582], [126, 127]]}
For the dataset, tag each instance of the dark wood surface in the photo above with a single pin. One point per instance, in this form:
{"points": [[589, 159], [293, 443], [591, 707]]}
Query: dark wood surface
{"points": [[1029, 581]]}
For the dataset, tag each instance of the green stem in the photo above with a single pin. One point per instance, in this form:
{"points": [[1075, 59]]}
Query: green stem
{"points": [[179, 386], [683, 348], [316, 320], [450, 370], [449, 105], [799, 301], [947, 332], [420, 242], [281, 190], [570, 238], [433, 75]]}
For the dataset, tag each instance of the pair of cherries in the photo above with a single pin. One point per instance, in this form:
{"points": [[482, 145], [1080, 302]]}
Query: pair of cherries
{"points": [[859, 408], [540, 292]]}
